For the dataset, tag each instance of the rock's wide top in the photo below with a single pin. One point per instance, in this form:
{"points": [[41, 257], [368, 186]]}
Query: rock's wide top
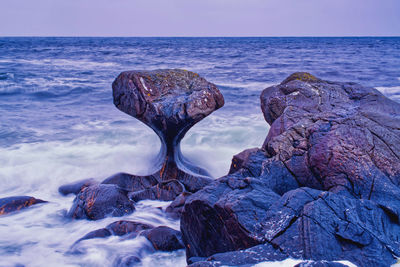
{"points": [[304, 94], [174, 94]]}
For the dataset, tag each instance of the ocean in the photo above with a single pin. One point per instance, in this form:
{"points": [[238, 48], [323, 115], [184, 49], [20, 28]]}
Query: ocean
{"points": [[58, 124]]}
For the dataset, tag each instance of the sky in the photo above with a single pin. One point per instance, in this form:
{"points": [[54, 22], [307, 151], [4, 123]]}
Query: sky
{"points": [[200, 18]]}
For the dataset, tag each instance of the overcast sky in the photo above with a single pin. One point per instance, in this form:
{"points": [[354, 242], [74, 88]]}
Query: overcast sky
{"points": [[200, 17]]}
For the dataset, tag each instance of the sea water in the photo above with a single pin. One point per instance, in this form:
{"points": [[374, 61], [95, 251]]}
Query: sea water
{"points": [[58, 124]]}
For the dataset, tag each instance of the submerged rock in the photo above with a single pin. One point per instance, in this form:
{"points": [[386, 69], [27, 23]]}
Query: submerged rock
{"points": [[99, 201], [324, 186], [162, 237], [118, 228], [12, 204], [76, 187]]}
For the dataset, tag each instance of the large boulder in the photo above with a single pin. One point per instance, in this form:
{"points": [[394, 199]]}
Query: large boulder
{"points": [[340, 137], [12, 204], [341, 143]]}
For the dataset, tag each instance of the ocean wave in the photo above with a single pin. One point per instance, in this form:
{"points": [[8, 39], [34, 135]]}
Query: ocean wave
{"points": [[390, 90], [6, 75], [59, 62]]}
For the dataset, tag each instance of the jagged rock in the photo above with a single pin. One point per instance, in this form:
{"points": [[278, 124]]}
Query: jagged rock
{"points": [[340, 137], [164, 238], [176, 207], [223, 216], [248, 257], [170, 102], [98, 201], [76, 187], [118, 228], [12, 204], [342, 142], [166, 190]]}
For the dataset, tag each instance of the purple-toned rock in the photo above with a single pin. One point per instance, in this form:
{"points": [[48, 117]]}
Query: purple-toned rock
{"points": [[247, 257], [165, 190], [131, 182], [12, 204], [324, 186], [99, 201], [170, 102], [176, 207], [225, 215], [164, 238], [334, 136], [76, 187]]}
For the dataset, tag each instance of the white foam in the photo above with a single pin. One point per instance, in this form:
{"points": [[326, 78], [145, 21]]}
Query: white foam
{"points": [[389, 90]]}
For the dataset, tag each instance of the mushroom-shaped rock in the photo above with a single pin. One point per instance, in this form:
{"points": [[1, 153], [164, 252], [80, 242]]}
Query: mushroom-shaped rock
{"points": [[11, 204], [170, 102], [98, 201]]}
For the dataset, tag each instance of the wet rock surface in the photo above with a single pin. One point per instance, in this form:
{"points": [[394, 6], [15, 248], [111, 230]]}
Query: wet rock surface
{"points": [[320, 264], [99, 201], [161, 238], [324, 185], [13, 204], [164, 238], [118, 228], [170, 102], [76, 187]]}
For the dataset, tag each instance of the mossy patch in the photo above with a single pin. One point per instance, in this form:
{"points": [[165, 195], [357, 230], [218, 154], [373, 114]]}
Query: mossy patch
{"points": [[301, 76]]}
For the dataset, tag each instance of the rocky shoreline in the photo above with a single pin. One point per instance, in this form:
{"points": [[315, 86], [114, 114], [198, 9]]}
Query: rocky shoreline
{"points": [[324, 186]]}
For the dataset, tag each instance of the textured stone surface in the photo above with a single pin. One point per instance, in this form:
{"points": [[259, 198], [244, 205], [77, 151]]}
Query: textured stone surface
{"points": [[98, 201], [340, 137], [12, 204], [324, 185], [176, 207], [170, 102], [164, 238], [131, 182], [166, 190], [247, 257]]}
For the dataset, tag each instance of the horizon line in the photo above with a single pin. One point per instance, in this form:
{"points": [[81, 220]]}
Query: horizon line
{"points": [[213, 36]]}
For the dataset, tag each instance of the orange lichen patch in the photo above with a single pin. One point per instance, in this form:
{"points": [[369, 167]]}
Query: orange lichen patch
{"points": [[163, 167], [90, 202], [301, 76]]}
